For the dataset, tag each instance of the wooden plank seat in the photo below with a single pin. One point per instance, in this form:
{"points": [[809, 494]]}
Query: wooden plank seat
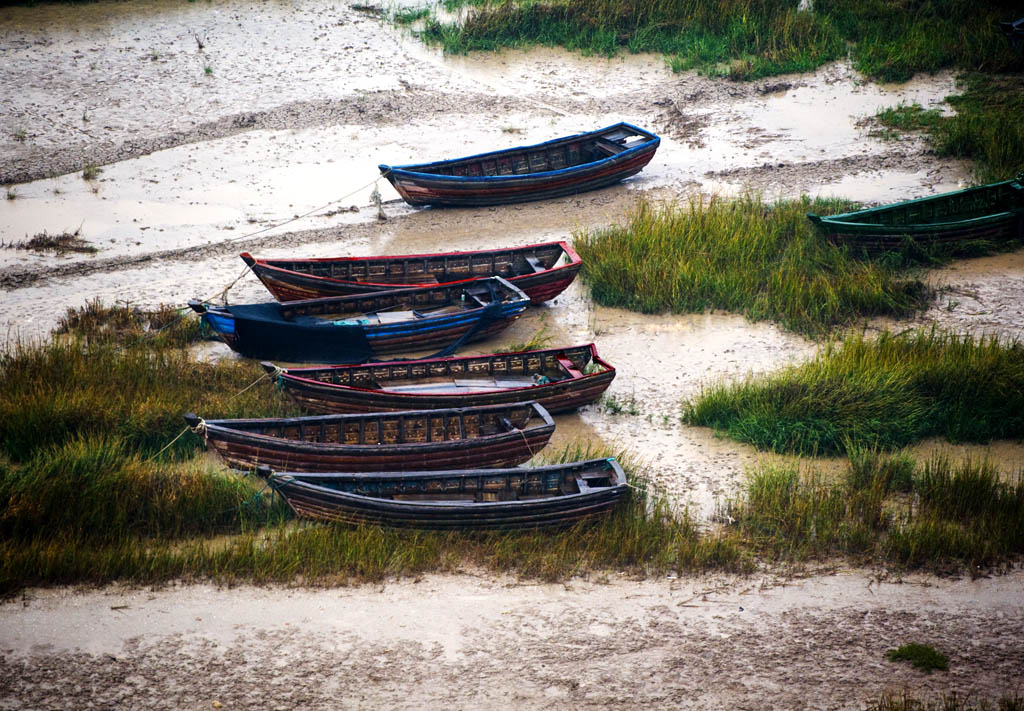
{"points": [[569, 366], [536, 264]]}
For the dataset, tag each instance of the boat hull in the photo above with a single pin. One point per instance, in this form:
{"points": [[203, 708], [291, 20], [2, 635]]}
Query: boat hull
{"points": [[481, 180], [320, 330], [556, 495], [295, 279], [376, 387], [467, 438], [992, 214]]}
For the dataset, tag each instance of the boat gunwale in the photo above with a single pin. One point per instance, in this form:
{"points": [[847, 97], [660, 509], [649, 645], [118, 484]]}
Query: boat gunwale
{"points": [[575, 261], [305, 445], [652, 140], [595, 358], [842, 219], [300, 479]]}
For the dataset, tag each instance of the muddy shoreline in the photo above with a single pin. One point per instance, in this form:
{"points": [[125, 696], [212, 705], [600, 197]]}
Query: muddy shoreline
{"points": [[471, 641], [286, 107]]}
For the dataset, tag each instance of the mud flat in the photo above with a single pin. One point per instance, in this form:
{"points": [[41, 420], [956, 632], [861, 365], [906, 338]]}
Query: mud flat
{"points": [[471, 642], [265, 139]]}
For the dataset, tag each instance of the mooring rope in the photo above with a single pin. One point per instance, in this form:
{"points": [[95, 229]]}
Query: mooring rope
{"points": [[307, 214]]}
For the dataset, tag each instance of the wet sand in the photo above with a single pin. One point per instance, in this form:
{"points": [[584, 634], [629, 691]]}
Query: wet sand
{"points": [[470, 641], [300, 104]]}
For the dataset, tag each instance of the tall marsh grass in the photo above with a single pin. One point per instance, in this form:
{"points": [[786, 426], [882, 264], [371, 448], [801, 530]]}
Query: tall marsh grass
{"points": [[885, 392], [763, 260], [985, 128], [746, 39], [950, 515]]}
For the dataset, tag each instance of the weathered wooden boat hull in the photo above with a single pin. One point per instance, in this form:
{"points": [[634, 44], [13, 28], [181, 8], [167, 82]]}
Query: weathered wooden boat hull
{"points": [[989, 213], [376, 387], [564, 166], [318, 330], [556, 495], [535, 269], [464, 438]]}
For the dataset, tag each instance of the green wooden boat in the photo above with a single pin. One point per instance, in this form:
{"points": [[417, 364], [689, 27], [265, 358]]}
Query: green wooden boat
{"points": [[988, 214]]}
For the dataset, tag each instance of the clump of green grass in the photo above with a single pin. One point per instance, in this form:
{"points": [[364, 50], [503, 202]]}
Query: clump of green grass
{"points": [[90, 171], [125, 324], [922, 656], [92, 488], [885, 392], [910, 117], [91, 382], [884, 511], [765, 261], [616, 405], [747, 39], [409, 15], [59, 243], [947, 702], [984, 129], [540, 339]]}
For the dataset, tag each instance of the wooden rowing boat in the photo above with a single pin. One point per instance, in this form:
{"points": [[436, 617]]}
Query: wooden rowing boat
{"points": [[986, 214], [560, 379], [418, 440], [563, 166], [553, 495], [354, 329], [542, 271]]}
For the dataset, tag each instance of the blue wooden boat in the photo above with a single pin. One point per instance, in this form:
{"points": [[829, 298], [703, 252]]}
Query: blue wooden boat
{"points": [[354, 329], [555, 495], [563, 166]]}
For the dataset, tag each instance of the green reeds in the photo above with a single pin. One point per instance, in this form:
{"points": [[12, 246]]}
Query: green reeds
{"points": [[943, 516], [746, 39], [906, 701], [986, 127], [885, 392], [765, 261], [119, 372], [92, 488]]}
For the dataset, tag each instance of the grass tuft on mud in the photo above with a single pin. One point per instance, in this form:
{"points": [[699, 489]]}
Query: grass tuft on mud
{"points": [[986, 127], [886, 392], [765, 261], [747, 39], [922, 656], [874, 516]]}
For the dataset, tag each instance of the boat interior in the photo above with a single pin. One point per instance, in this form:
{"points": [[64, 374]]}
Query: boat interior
{"points": [[557, 155]]}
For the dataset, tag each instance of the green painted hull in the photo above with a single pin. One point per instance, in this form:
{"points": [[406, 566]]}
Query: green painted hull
{"points": [[989, 213]]}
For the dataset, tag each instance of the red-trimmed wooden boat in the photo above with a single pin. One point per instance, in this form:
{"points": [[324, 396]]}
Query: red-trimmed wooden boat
{"points": [[419, 440], [542, 271], [563, 166], [560, 379], [986, 214], [555, 495], [355, 329]]}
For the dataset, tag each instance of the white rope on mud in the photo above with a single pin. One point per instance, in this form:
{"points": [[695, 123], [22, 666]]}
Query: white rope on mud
{"points": [[305, 214]]}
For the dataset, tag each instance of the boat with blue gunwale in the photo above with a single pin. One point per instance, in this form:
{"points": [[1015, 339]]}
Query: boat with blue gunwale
{"points": [[355, 329], [554, 495], [556, 168]]}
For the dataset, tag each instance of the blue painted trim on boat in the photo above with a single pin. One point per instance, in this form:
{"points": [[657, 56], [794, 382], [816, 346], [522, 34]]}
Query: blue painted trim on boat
{"points": [[220, 322], [399, 170]]}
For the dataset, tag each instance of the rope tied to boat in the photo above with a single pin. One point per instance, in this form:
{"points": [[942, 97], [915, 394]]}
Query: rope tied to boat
{"points": [[199, 429]]}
